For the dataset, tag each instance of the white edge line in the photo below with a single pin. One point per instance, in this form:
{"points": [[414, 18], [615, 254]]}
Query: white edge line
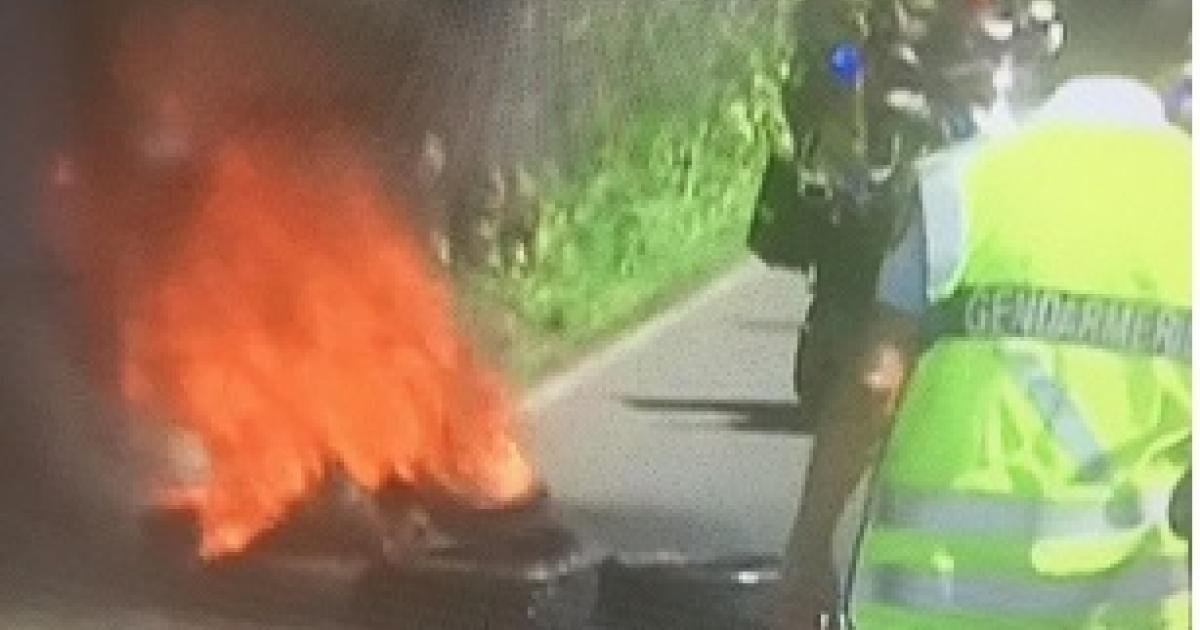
{"points": [[556, 387]]}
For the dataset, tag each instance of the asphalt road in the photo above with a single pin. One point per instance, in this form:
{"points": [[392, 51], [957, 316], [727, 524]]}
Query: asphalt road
{"points": [[684, 436]]}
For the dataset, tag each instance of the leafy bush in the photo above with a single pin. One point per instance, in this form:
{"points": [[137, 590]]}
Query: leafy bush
{"points": [[668, 115]]}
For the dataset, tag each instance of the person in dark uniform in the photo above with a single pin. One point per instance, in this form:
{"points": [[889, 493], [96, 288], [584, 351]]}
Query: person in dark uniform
{"points": [[875, 84]]}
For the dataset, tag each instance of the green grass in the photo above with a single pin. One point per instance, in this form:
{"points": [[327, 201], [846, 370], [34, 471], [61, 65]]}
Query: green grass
{"points": [[661, 198]]}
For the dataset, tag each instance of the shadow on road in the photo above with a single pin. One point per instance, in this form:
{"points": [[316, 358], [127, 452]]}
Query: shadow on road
{"points": [[739, 415]]}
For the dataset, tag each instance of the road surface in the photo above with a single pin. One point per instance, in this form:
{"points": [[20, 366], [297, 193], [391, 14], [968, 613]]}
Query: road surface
{"points": [[684, 436]]}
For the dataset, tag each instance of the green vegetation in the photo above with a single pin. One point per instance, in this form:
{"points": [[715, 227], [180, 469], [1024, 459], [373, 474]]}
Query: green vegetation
{"points": [[674, 110]]}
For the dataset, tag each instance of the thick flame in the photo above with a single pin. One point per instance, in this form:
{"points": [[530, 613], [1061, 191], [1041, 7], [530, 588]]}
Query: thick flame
{"points": [[285, 319]]}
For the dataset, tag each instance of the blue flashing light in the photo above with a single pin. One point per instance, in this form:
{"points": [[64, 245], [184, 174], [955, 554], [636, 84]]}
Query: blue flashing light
{"points": [[846, 64]]}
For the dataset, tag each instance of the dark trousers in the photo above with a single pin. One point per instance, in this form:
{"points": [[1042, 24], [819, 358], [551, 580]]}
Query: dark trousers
{"points": [[827, 342]]}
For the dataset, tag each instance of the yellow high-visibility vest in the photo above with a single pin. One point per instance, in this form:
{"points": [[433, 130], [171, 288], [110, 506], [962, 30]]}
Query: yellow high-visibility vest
{"points": [[1026, 480]]}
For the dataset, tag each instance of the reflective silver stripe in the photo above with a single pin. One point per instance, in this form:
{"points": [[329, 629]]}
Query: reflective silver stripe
{"points": [[1144, 583], [1062, 416], [1018, 520]]}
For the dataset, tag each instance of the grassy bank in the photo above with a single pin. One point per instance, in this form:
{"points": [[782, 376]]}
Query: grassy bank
{"points": [[676, 129]]}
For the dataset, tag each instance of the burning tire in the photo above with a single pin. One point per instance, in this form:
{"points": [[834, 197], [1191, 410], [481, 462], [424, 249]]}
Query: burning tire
{"points": [[511, 569], [667, 591]]}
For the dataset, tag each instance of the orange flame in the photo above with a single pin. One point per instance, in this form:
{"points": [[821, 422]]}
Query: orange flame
{"points": [[289, 323]]}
